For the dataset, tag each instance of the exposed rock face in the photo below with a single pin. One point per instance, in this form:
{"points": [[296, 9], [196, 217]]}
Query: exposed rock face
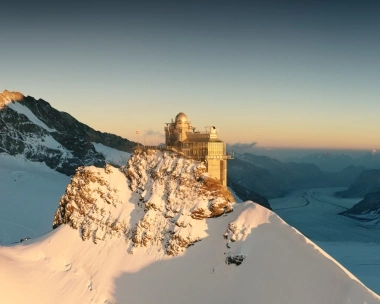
{"points": [[41, 133], [171, 198], [368, 208], [90, 202], [177, 197], [249, 195], [367, 182]]}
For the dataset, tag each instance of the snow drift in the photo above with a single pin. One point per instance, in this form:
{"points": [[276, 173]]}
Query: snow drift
{"points": [[133, 228]]}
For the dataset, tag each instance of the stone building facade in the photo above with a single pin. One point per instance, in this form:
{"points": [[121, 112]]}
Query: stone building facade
{"points": [[205, 146]]}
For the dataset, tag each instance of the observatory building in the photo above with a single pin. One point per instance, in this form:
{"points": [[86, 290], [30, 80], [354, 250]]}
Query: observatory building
{"points": [[205, 146]]}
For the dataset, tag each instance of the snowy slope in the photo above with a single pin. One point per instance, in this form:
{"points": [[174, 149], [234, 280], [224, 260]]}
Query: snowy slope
{"points": [[163, 198], [21, 109], [354, 243], [29, 192], [281, 266], [111, 155]]}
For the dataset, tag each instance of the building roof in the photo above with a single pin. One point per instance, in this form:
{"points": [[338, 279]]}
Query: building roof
{"points": [[181, 117]]}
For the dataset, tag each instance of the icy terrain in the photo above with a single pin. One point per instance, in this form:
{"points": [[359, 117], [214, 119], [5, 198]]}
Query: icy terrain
{"points": [[249, 255], [353, 242], [29, 192]]}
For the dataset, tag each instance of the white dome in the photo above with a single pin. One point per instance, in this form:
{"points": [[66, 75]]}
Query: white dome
{"points": [[181, 117]]}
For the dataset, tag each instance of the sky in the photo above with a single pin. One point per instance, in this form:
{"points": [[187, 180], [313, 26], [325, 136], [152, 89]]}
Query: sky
{"points": [[283, 74]]}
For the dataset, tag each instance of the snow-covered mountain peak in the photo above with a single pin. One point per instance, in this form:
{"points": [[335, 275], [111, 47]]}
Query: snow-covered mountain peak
{"points": [[159, 199], [7, 96]]}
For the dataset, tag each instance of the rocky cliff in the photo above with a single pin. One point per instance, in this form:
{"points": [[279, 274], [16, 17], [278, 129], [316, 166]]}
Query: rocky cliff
{"points": [[367, 209], [367, 182], [41, 133], [169, 199]]}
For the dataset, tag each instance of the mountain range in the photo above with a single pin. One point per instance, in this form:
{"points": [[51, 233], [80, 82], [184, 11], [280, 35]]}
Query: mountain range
{"points": [[368, 181], [272, 178], [153, 229], [35, 129], [330, 162]]}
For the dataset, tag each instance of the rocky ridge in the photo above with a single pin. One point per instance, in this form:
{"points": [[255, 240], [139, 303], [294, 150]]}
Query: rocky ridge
{"points": [[41, 133], [159, 199], [367, 209], [367, 182]]}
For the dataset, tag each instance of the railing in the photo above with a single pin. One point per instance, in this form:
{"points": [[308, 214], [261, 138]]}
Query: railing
{"points": [[229, 155]]}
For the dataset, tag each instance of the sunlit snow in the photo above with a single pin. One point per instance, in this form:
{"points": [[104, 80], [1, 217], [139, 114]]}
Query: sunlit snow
{"points": [[279, 264], [111, 155]]}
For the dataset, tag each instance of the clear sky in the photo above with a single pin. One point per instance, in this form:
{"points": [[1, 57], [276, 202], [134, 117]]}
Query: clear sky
{"points": [[302, 74]]}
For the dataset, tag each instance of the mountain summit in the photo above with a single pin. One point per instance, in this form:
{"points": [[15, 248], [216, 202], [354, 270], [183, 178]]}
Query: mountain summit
{"points": [[172, 196], [161, 230], [41, 133]]}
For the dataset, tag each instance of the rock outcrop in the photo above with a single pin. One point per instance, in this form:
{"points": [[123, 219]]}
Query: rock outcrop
{"points": [[367, 209], [367, 182], [170, 198]]}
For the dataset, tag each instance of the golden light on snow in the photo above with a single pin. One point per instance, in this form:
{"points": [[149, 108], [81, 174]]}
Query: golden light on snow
{"points": [[8, 96]]}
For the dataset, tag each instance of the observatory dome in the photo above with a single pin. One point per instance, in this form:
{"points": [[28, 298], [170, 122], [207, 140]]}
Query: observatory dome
{"points": [[181, 117]]}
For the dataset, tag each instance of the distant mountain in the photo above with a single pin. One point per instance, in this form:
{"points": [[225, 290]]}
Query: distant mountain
{"points": [[35, 129], [368, 208], [272, 178], [345, 177], [369, 160], [328, 161], [368, 181]]}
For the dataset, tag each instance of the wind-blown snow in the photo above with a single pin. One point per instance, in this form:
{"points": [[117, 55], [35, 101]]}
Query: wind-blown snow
{"points": [[16, 106], [111, 155], [279, 265]]}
